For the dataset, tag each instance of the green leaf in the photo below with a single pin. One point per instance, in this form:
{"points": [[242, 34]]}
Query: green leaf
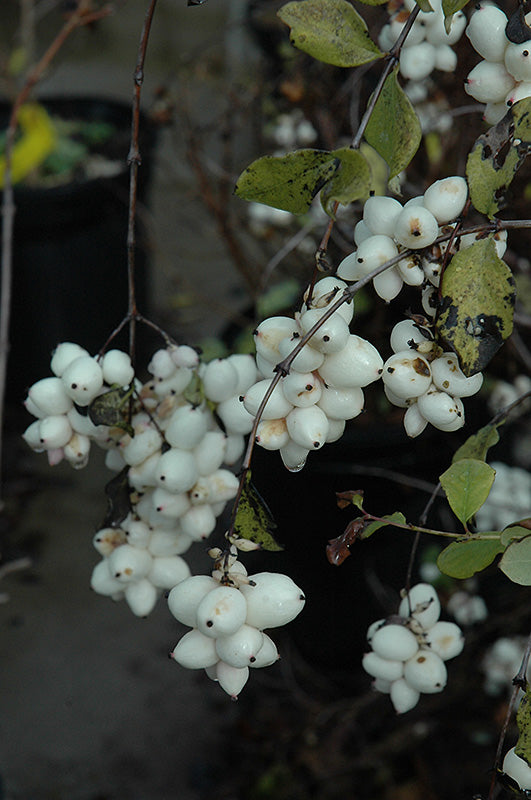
{"points": [[194, 393], [496, 157], [351, 181], [330, 31], [375, 2], [516, 562], [467, 484], [394, 128], [513, 532], [389, 519], [288, 182], [254, 520], [476, 313], [523, 721], [477, 445], [463, 559], [450, 7], [112, 409]]}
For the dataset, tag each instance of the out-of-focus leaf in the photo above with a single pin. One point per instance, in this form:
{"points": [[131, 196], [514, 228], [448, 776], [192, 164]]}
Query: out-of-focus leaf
{"points": [[329, 30]]}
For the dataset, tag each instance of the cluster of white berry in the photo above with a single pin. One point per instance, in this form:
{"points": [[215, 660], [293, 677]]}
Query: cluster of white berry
{"points": [[409, 649], [172, 456], [324, 388], [504, 77], [509, 498], [228, 613], [428, 385], [428, 46], [387, 228]]}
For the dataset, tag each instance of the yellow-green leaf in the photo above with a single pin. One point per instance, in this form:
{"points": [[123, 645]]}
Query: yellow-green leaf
{"points": [[463, 559], [523, 721], [351, 181], [467, 484], [388, 519], [288, 182], [331, 31], [477, 445], [254, 520], [496, 157], [516, 562], [477, 307], [37, 141], [394, 128]]}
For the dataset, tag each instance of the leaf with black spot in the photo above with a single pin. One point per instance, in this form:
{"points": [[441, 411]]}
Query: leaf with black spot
{"points": [[254, 520], [477, 305], [496, 157], [112, 409], [118, 494], [288, 182]]}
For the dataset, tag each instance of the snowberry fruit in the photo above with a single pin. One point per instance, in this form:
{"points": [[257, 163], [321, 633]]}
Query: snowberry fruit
{"points": [[308, 427], [517, 60], [446, 198], [195, 651], [141, 597], [403, 696], [240, 648], [486, 31], [447, 377], [407, 374], [380, 213], [416, 227], [395, 642], [517, 769], [83, 379], [422, 603], [64, 354], [489, 82], [426, 672], [358, 364], [117, 368], [418, 61], [272, 600], [414, 422], [446, 639], [385, 668], [220, 380], [184, 598], [221, 612]]}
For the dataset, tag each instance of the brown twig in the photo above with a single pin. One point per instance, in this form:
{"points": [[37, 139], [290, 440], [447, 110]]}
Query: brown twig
{"points": [[134, 160]]}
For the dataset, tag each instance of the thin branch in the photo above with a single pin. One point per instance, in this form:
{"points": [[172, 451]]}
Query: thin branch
{"points": [[134, 160]]}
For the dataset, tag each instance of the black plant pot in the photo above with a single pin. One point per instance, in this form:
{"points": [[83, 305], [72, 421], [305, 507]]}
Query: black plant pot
{"points": [[69, 251]]}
